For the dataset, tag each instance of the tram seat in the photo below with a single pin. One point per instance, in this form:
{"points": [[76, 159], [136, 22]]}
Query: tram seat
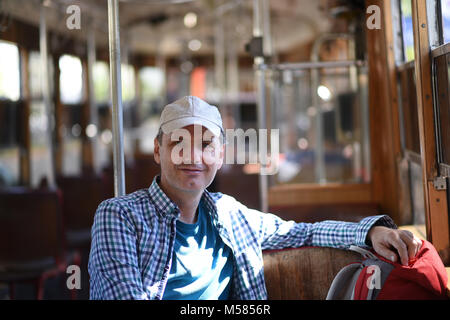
{"points": [[304, 273], [108, 180], [311, 213], [31, 238], [81, 197]]}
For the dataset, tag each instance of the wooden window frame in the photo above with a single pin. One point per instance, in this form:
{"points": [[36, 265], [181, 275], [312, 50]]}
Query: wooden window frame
{"points": [[436, 206]]}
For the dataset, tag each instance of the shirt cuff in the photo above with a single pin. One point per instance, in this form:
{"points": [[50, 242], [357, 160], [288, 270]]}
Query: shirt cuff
{"points": [[366, 224]]}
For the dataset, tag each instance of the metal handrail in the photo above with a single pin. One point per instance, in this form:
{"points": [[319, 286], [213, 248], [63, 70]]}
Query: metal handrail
{"points": [[116, 97]]}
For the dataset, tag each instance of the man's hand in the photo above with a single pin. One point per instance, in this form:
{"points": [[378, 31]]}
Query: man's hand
{"points": [[390, 242]]}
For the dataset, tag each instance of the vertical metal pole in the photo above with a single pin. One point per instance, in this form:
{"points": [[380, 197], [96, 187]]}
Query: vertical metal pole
{"points": [[258, 27], [43, 42], [116, 97], [91, 55], [320, 173]]}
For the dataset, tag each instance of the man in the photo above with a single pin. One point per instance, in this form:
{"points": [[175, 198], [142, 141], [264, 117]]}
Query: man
{"points": [[176, 240]]}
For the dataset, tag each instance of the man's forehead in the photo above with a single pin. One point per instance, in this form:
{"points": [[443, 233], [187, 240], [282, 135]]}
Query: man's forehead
{"points": [[189, 133], [193, 131]]}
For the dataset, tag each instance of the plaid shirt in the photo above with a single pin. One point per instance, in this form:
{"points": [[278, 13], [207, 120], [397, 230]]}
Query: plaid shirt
{"points": [[133, 239]]}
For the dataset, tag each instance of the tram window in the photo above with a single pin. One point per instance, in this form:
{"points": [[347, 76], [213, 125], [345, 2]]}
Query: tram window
{"points": [[9, 71], [442, 67], [101, 82], [128, 82], [343, 112], [35, 71], [71, 79], [40, 157], [445, 18], [409, 108], [151, 81], [407, 29], [417, 196], [9, 95]]}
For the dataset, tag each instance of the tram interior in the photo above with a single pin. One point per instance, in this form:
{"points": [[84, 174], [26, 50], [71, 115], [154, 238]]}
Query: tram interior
{"points": [[343, 154]]}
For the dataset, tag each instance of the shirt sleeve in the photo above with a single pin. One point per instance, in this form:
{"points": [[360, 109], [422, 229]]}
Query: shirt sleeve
{"points": [[113, 265], [275, 233]]}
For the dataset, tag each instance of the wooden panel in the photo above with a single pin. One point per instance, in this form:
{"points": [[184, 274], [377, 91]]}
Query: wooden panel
{"points": [[87, 156], [303, 274], [25, 138], [383, 118], [309, 194], [438, 219]]}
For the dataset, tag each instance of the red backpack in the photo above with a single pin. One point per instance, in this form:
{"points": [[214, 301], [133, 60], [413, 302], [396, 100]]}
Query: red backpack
{"points": [[376, 278]]}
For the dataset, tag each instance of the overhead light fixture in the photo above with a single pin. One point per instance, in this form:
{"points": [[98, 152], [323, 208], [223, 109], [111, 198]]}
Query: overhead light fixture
{"points": [[195, 44], [190, 20], [324, 93]]}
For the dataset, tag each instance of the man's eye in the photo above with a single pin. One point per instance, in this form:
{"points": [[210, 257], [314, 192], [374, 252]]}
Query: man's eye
{"points": [[206, 144]]}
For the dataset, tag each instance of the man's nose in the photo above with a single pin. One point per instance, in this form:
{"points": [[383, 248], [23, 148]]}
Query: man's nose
{"points": [[196, 153]]}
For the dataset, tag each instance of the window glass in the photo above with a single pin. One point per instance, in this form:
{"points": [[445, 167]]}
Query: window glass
{"points": [[442, 68], [407, 27], [417, 197], [445, 10], [40, 156], [9, 71], [152, 84], [35, 72], [9, 166], [409, 109], [343, 143], [128, 82], [71, 79], [101, 82]]}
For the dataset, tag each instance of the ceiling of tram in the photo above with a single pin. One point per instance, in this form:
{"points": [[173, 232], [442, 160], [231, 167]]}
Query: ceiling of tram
{"points": [[159, 27]]}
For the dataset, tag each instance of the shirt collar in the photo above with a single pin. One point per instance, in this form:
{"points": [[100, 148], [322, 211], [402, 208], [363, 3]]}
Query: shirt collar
{"points": [[164, 205]]}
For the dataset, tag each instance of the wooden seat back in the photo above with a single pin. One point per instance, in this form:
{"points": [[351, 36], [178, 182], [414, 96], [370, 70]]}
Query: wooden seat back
{"points": [[30, 226], [81, 197], [233, 181], [305, 273], [145, 169], [108, 180]]}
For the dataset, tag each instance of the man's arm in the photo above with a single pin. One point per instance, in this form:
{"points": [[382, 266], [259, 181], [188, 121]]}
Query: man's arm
{"points": [[277, 233], [379, 232], [113, 264]]}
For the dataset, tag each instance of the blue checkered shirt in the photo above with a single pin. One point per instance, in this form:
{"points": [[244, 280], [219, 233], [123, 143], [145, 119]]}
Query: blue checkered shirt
{"points": [[133, 239]]}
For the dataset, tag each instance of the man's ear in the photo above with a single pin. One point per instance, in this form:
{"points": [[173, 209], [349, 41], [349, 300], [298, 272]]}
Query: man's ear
{"points": [[156, 153]]}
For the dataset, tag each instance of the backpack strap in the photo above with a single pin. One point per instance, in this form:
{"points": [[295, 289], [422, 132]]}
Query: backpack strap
{"points": [[355, 277], [342, 287], [365, 253]]}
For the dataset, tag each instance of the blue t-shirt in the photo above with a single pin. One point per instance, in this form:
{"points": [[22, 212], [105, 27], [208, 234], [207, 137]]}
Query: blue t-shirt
{"points": [[202, 265]]}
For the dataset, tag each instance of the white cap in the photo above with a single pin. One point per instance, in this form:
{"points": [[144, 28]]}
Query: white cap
{"points": [[188, 111]]}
